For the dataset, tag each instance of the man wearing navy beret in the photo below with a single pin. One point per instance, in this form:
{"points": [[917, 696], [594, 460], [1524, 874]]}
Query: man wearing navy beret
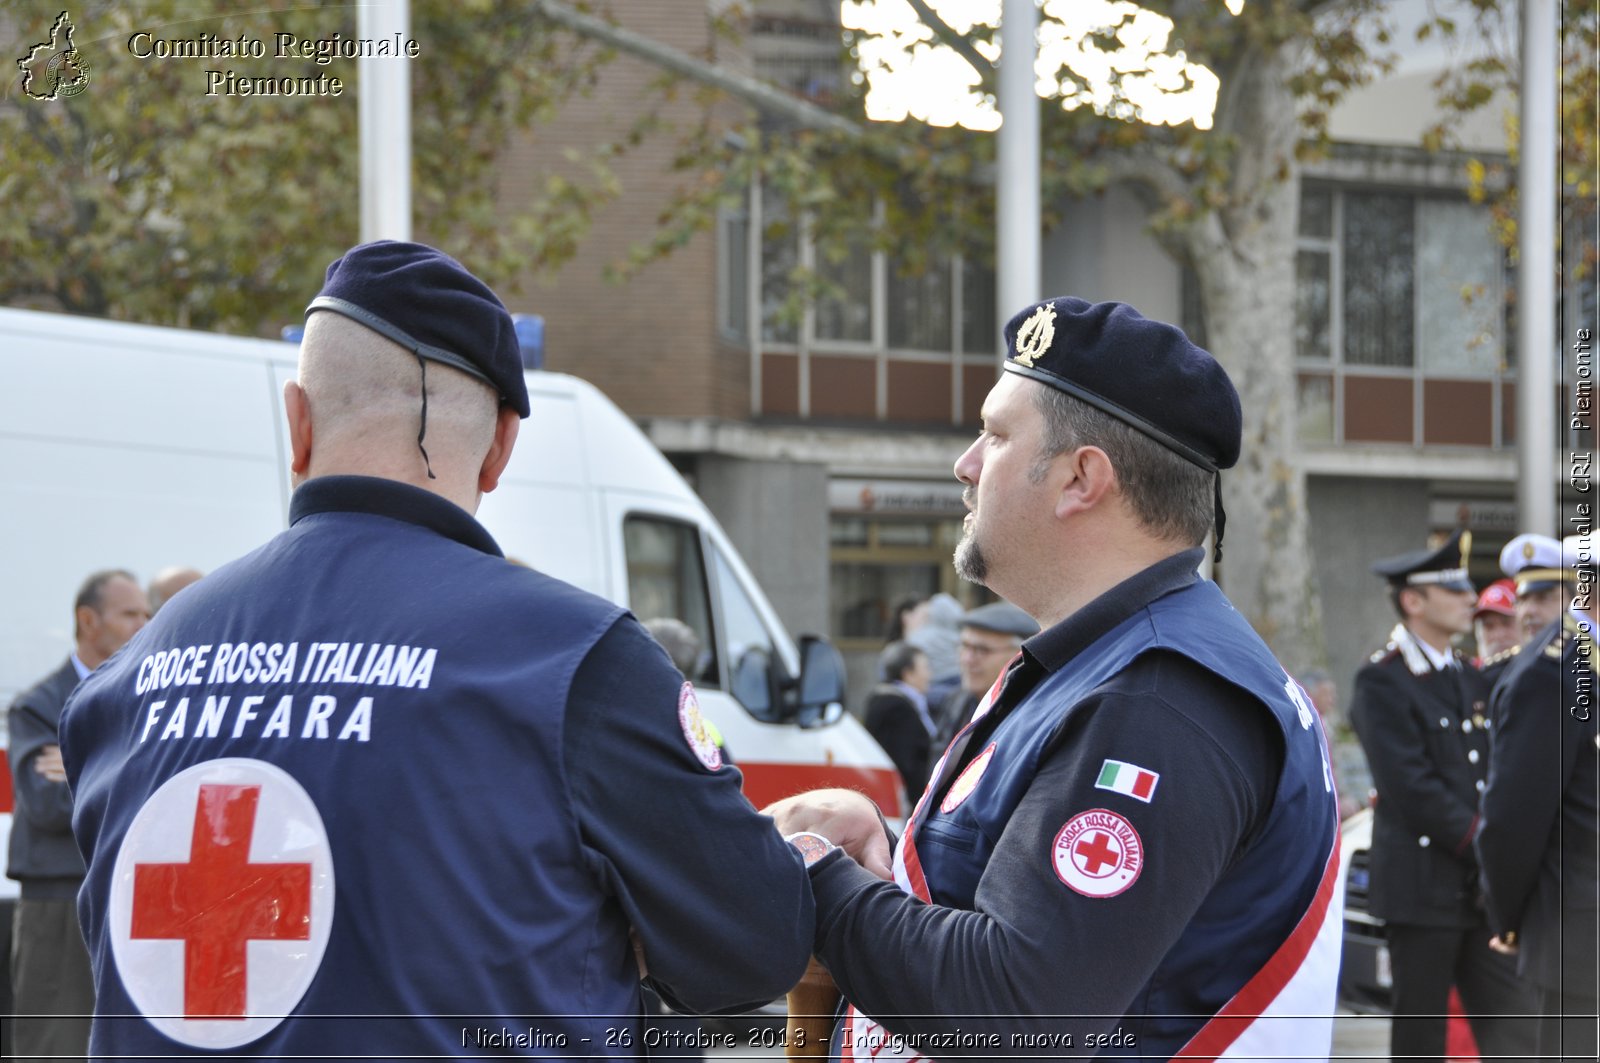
{"points": [[357, 792], [1133, 844]]}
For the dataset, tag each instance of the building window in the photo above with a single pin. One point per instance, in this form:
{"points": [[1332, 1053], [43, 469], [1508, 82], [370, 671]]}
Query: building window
{"points": [[733, 275], [1379, 260], [920, 309], [1401, 320], [876, 343], [876, 562], [844, 310]]}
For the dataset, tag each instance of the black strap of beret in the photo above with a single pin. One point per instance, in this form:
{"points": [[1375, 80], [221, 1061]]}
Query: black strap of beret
{"points": [[1222, 522], [1121, 413], [422, 430], [400, 336]]}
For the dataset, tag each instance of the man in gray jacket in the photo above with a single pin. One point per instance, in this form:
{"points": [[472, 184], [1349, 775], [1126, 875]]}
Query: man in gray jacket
{"points": [[53, 990]]}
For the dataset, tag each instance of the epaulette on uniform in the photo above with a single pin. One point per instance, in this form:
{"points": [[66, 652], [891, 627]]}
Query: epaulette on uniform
{"points": [[1557, 646], [1501, 657], [1388, 651]]}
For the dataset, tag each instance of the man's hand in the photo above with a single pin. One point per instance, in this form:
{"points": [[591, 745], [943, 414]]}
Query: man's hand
{"points": [[47, 762], [1500, 945], [846, 818]]}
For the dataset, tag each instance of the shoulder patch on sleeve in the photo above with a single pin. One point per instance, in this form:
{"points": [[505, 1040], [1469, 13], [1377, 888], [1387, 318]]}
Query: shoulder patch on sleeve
{"points": [[1098, 853], [696, 730]]}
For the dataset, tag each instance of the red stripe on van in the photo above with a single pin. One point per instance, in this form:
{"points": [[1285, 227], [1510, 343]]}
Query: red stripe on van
{"points": [[766, 782]]}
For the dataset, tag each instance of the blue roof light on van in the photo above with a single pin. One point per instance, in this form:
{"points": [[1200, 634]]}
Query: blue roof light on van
{"points": [[530, 337], [292, 333]]}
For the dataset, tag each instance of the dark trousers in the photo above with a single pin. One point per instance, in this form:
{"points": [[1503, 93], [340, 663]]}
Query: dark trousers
{"points": [[1427, 961], [51, 985], [1567, 1028]]}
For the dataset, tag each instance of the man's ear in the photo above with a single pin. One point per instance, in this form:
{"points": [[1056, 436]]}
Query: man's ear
{"points": [[297, 411], [506, 425], [1091, 478]]}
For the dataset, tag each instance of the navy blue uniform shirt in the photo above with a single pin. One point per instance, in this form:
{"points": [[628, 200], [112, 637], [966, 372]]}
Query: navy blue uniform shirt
{"points": [[1023, 952], [373, 769]]}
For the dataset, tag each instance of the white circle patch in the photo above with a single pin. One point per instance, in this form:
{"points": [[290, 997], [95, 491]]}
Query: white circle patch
{"points": [[1098, 853], [221, 902], [696, 731]]}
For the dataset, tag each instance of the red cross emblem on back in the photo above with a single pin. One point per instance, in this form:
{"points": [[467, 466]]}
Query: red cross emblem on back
{"points": [[218, 901], [221, 906]]}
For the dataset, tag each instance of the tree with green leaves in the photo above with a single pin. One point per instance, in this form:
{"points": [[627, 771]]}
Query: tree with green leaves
{"points": [[152, 196], [1223, 201]]}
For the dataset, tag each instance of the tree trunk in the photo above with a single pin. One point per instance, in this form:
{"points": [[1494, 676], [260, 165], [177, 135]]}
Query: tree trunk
{"points": [[1245, 258]]}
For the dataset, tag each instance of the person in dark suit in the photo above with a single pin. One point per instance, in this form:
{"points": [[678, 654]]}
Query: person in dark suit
{"points": [[1541, 829], [897, 715], [1421, 713], [53, 990]]}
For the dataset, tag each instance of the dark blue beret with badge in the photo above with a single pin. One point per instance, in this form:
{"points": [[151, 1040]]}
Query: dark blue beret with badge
{"points": [[431, 305], [1145, 373]]}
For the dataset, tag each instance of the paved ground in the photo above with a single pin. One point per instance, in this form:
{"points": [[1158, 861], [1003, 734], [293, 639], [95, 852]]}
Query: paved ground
{"points": [[1354, 1037]]}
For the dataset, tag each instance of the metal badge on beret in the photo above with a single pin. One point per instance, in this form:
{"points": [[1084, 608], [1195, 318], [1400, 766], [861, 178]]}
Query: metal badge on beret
{"points": [[1145, 373]]}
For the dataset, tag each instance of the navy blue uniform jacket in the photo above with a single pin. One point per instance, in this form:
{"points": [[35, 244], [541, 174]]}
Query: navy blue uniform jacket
{"points": [[505, 782]]}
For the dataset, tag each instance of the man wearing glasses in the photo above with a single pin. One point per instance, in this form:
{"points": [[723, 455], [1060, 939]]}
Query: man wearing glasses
{"points": [[990, 636]]}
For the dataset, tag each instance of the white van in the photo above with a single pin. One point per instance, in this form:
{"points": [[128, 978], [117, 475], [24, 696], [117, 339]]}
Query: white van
{"points": [[138, 447]]}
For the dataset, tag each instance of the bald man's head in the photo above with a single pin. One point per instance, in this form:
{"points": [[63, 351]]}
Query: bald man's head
{"points": [[365, 395]]}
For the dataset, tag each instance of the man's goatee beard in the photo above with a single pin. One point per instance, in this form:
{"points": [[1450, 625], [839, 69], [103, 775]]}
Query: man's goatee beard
{"points": [[969, 561]]}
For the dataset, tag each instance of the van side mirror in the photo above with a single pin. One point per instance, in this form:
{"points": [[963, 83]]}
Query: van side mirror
{"points": [[822, 683], [756, 685]]}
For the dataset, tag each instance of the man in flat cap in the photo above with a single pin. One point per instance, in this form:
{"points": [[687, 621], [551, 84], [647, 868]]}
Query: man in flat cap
{"points": [[991, 635], [1539, 845], [1421, 712], [1133, 845], [371, 769]]}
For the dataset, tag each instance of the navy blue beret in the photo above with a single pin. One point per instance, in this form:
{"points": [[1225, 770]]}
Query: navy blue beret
{"points": [[428, 303], [1139, 371]]}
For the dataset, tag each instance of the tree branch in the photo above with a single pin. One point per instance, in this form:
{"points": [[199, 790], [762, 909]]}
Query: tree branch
{"points": [[956, 42], [760, 95]]}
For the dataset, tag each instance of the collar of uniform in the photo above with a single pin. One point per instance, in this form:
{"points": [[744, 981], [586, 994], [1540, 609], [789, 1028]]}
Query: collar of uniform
{"points": [[1056, 645], [390, 498], [1420, 658]]}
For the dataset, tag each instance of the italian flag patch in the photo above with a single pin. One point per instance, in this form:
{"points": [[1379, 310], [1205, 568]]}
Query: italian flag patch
{"points": [[1123, 778]]}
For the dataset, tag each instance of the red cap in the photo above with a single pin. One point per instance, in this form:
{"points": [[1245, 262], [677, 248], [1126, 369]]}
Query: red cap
{"points": [[1498, 597]]}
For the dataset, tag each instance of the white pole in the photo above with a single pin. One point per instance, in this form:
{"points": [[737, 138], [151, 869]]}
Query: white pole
{"points": [[1017, 178], [1536, 295], [385, 87]]}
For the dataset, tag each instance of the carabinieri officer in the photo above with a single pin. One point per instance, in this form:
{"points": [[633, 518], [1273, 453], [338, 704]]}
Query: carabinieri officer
{"points": [[1132, 848], [1421, 711], [373, 769]]}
